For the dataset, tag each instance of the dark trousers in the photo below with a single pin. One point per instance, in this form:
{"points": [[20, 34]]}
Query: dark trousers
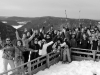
{"points": [[26, 56], [34, 55]]}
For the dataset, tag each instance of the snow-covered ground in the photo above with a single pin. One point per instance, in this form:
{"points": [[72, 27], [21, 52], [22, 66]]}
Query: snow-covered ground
{"points": [[1, 63], [74, 68]]}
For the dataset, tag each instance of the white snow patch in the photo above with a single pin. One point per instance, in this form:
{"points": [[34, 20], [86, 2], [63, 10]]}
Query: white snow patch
{"points": [[16, 27], [4, 21], [22, 23]]}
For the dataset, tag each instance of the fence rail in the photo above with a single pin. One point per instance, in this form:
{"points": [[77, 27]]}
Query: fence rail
{"points": [[84, 54], [46, 61], [37, 64]]}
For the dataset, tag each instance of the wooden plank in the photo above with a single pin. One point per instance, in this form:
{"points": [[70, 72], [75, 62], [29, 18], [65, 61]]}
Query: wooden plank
{"points": [[38, 62], [21, 65], [47, 61], [82, 53], [97, 54], [54, 55], [57, 59], [52, 62], [94, 55], [81, 49], [81, 58], [39, 68], [29, 69]]}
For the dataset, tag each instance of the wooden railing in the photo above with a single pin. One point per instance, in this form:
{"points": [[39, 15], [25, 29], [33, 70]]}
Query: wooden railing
{"points": [[84, 54], [46, 61], [37, 64]]}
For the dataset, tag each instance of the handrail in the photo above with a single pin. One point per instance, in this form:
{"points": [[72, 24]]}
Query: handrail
{"points": [[94, 52], [25, 63], [83, 53], [22, 65], [81, 49], [50, 55]]}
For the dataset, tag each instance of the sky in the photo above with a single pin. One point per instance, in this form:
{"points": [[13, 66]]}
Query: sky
{"points": [[37, 8]]}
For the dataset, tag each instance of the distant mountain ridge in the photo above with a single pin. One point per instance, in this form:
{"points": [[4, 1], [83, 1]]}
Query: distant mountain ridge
{"points": [[31, 18], [57, 22], [35, 22]]}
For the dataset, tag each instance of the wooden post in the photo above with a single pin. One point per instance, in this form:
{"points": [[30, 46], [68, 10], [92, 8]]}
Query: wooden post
{"points": [[68, 55], [94, 55], [29, 68], [47, 61], [61, 54]]}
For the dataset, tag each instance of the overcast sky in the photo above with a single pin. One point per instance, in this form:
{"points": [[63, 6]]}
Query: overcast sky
{"points": [[37, 8]]}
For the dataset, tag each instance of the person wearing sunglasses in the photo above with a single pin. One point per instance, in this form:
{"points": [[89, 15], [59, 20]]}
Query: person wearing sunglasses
{"points": [[8, 54]]}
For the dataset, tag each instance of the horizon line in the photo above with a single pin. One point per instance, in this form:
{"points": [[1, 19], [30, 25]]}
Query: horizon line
{"points": [[47, 16]]}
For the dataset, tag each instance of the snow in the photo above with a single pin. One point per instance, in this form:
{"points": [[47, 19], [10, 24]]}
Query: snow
{"points": [[74, 68], [1, 63], [16, 27], [23, 22], [4, 21]]}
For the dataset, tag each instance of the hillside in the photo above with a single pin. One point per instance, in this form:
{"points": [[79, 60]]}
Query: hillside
{"points": [[57, 22], [47, 21], [14, 20], [7, 31]]}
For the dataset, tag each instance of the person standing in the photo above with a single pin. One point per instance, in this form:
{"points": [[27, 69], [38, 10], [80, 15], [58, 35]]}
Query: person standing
{"points": [[94, 44], [25, 42], [73, 41], [35, 48], [19, 58], [8, 54], [84, 42]]}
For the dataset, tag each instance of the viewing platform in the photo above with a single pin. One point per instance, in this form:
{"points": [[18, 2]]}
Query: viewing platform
{"points": [[43, 62]]}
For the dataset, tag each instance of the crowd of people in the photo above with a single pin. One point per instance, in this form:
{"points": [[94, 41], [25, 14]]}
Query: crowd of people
{"points": [[36, 43]]}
